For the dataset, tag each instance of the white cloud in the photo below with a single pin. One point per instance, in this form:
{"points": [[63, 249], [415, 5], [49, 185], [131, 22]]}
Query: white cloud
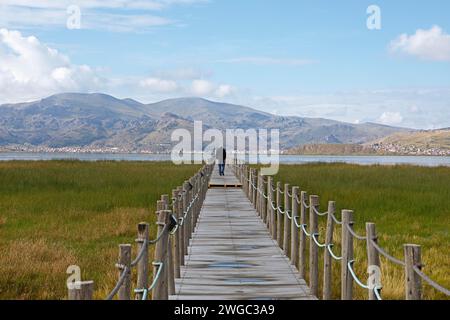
{"points": [[433, 44], [224, 90], [429, 111], [270, 61], [183, 74], [391, 118], [202, 87], [159, 85], [30, 69], [205, 88], [102, 4], [111, 15]]}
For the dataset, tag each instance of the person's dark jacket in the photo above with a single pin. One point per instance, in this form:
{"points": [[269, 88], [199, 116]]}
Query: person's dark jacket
{"points": [[221, 155]]}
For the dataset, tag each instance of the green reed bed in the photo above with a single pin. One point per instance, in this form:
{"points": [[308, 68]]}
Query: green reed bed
{"points": [[59, 213], [409, 204]]}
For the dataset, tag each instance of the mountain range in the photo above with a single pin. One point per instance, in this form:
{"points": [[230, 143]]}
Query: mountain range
{"points": [[102, 121], [424, 139]]}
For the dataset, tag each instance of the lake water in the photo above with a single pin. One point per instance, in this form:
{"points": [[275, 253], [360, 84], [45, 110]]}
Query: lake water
{"points": [[285, 159]]}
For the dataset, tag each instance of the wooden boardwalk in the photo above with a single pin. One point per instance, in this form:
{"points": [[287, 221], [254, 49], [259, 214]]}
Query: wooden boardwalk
{"points": [[232, 255]]}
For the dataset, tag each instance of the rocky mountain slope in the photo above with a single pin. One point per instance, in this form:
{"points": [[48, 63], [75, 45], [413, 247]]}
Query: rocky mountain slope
{"points": [[99, 120]]}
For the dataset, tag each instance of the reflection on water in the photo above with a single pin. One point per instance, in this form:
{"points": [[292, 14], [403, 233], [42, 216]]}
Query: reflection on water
{"points": [[284, 159]]}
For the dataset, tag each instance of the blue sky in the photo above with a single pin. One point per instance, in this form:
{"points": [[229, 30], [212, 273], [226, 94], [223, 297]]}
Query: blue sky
{"points": [[306, 58]]}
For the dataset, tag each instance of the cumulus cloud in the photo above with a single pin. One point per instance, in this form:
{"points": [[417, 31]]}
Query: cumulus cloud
{"points": [[224, 90], [30, 69], [432, 44], [391, 118], [207, 88], [159, 85], [420, 108], [202, 87]]}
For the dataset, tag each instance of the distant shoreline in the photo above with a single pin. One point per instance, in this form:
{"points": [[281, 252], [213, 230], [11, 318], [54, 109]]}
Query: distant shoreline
{"points": [[282, 154]]}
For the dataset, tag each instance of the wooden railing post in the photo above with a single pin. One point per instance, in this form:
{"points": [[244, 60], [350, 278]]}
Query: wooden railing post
{"points": [[81, 290], [181, 228], [347, 256], [160, 291], [263, 200], [191, 212], [279, 218], [198, 202], [271, 213], [258, 195], [286, 224], [250, 187], [327, 258], [142, 266], [302, 242], [170, 265], [186, 220], [125, 264], [373, 260], [413, 282], [313, 248], [249, 184], [255, 191], [294, 229], [245, 181], [176, 237]]}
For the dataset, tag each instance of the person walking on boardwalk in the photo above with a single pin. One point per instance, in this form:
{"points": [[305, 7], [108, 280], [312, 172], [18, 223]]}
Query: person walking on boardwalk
{"points": [[221, 157]]}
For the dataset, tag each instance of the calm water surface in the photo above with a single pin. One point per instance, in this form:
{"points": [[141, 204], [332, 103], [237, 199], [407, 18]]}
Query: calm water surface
{"points": [[363, 160]]}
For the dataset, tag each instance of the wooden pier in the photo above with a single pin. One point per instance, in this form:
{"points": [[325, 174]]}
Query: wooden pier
{"points": [[244, 236], [232, 255]]}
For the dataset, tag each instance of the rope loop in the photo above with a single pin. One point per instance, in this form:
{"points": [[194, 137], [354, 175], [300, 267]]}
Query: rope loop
{"points": [[352, 272], [335, 257], [354, 234], [320, 214], [314, 237]]}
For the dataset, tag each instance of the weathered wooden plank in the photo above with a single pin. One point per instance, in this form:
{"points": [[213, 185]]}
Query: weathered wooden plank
{"points": [[232, 254]]}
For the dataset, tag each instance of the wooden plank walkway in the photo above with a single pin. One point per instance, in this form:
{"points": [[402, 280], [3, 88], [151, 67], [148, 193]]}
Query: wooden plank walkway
{"points": [[232, 256]]}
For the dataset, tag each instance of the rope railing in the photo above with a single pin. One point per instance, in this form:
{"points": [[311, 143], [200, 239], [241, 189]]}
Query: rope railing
{"points": [[297, 215], [330, 250], [427, 279], [145, 291], [118, 285], [387, 255], [316, 241], [335, 220], [144, 248], [320, 214], [160, 235], [353, 233], [354, 276], [176, 222], [303, 227], [377, 293]]}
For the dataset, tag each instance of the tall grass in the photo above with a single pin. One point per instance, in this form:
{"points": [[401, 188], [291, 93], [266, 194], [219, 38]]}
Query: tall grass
{"points": [[60, 213], [408, 204]]}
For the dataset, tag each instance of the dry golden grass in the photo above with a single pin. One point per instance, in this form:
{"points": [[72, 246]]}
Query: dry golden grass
{"points": [[27, 264], [61, 213], [408, 204]]}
